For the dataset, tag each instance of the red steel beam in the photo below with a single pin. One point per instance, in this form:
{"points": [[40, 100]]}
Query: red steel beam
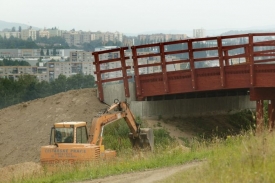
{"points": [[98, 75], [251, 59], [136, 70], [148, 55], [163, 68], [262, 93], [111, 60], [124, 73], [219, 40], [192, 65], [226, 57], [112, 70]]}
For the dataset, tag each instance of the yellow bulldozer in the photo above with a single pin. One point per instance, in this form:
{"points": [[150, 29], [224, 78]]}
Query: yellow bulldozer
{"points": [[70, 141]]}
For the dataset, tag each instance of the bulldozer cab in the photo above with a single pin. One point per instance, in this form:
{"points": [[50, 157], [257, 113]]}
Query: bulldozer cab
{"points": [[69, 132]]}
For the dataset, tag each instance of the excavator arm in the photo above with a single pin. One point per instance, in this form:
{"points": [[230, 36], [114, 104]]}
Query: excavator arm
{"points": [[140, 137]]}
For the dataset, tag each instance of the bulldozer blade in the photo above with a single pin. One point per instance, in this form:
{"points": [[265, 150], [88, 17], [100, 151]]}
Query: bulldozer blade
{"points": [[145, 140]]}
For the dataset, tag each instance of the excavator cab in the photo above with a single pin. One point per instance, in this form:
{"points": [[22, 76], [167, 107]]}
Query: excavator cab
{"points": [[65, 133], [70, 141]]}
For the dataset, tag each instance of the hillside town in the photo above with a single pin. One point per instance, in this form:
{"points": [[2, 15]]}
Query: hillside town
{"points": [[48, 63]]}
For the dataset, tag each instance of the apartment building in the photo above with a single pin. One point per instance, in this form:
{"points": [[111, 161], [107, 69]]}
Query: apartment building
{"points": [[76, 38], [44, 33], [161, 37], [26, 53], [7, 35], [8, 53], [81, 56], [28, 33], [198, 33], [14, 72], [54, 32]]}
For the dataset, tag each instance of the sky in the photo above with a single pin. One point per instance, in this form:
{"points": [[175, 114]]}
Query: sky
{"points": [[139, 16]]}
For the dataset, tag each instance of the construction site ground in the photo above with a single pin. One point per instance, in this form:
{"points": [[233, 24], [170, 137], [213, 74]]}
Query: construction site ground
{"points": [[25, 127]]}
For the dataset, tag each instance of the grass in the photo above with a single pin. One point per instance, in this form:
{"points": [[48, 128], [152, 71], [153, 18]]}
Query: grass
{"points": [[243, 158], [231, 158], [166, 153], [126, 162]]}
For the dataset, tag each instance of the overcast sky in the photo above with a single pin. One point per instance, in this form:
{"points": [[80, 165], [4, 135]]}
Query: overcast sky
{"points": [[137, 16]]}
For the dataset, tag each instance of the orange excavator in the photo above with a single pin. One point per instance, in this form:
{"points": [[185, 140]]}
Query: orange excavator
{"points": [[70, 142]]}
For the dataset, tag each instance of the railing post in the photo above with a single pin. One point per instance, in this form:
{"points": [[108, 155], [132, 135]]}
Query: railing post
{"points": [[192, 65], [136, 69], [226, 56], [251, 59], [219, 40], [163, 67], [124, 73], [98, 75]]}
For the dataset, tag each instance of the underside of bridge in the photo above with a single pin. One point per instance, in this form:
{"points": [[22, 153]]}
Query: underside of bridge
{"points": [[259, 95], [202, 67]]}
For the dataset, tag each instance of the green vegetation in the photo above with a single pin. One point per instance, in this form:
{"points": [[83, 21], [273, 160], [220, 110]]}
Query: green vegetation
{"points": [[16, 43], [242, 158], [52, 42], [9, 62], [166, 153], [27, 87]]}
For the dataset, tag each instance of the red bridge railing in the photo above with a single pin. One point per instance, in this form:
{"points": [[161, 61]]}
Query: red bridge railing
{"points": [[235, 61]]}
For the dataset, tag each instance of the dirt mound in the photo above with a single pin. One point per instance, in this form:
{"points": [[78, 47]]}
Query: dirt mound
{"points": [[25, 127]]}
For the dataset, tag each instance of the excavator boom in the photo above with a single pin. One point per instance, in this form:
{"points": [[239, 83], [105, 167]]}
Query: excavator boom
{"points": [[70, 141], [139, 137]]}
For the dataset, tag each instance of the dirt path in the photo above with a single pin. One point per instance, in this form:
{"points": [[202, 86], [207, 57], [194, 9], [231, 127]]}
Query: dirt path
{"points": [[145, 176]]}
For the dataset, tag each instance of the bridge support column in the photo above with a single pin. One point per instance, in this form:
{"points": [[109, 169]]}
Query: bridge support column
{"points": [[259, 116], [271, 114]]}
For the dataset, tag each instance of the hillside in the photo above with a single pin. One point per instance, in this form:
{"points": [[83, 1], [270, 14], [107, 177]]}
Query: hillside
{"points": [[25, 127]]}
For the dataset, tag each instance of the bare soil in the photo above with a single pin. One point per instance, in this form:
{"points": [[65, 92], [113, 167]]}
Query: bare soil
{"points": [[25, 127]]}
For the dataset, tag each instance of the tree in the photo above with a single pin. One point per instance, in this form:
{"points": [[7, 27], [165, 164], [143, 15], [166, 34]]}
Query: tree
{"points": [[60, 84], [54, 52], [47, 52], [41, 52]]}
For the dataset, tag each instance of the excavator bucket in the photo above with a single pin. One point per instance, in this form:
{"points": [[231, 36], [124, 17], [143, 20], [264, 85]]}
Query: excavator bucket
{"points": [[145, 139]]}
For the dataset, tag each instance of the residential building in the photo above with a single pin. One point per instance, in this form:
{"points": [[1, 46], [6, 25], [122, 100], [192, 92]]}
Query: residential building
{"points": [[54, 32], [28, 33], [81, 56], [156, 38], [14, 72], [198, 33], [5, 34], [44, 33]]}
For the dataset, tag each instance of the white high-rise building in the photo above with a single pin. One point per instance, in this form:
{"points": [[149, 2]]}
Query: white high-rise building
{"points": [[198, 33]]}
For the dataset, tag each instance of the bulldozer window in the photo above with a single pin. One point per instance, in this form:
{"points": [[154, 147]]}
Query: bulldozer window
{"points": [[64, 135], [81, 135]]}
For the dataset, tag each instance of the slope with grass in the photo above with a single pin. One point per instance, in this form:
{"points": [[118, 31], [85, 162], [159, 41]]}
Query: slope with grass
{"points": [[25, 127]]}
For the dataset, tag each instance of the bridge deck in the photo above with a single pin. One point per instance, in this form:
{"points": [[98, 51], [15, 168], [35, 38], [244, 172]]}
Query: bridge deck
{"points": [[211, 63], [194, 65]]}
